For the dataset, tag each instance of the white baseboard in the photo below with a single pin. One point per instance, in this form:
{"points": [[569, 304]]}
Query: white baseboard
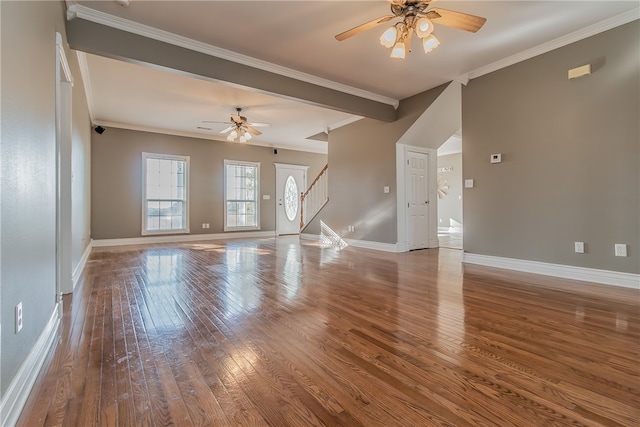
{"points": [[15, 397], [365, 244], [401, 247], [604, 277], [180, 238], [80, 267], [307, 236], [376, 246]]}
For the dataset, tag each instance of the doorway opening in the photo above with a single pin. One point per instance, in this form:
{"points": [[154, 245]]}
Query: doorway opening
{"points": [[450, 182]]}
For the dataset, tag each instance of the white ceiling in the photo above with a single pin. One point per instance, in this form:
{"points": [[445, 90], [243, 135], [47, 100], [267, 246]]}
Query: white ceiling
{"points": [[297, 38]]}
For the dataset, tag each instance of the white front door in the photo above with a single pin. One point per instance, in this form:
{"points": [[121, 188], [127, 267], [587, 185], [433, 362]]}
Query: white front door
{"points": [[291, 181], [417, 186]]}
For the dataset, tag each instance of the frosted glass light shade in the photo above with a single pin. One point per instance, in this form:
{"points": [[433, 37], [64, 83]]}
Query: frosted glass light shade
{"points": [[424, 27], [429, 43], [388, 38], [399, 51]]}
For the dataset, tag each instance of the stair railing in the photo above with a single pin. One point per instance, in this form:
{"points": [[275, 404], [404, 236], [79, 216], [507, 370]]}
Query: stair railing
{"points": [[314, 199]]}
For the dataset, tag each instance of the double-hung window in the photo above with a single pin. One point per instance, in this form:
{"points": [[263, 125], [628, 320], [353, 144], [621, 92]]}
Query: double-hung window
{"points": [[165, 194], [241, 189]]}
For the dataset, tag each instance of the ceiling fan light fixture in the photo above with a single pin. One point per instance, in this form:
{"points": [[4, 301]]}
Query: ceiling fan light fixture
{"points": [[389, 37], [429, 43], [424, 27], [399, 50], [248, 136]]}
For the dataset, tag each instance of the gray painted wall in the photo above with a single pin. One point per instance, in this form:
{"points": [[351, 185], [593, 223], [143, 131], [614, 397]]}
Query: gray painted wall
{"points": [[28, 173], [450, 206], [362, 160], [570, 169], [116, 185]]}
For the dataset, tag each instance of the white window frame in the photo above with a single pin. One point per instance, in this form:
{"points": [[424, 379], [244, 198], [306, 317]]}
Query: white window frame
{"points": [[186, 159], [257, 195]]}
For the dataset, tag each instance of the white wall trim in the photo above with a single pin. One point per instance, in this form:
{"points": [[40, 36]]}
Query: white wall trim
{"points": [[364, 244], [86, 78], [307, 236], [376, 246], [182, 238], [98, 17], [604, 277], [319, 147], [64, 64], [77, 272], [15, 397], [591, 30]]}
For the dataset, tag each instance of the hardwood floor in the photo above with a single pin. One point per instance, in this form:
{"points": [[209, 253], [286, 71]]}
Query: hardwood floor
{"points": [[286, 333]]}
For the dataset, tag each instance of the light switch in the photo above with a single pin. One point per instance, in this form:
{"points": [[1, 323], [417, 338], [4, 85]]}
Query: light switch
{"points": [[385, 189], [468, 183], [266, 197]]}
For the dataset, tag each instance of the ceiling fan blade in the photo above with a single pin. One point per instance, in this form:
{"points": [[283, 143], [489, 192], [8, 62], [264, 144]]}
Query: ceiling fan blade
{"points": [[253, 131], [363, 27], [203, 128], [236, 118], [228, 129], [459, 20], [259, 125]]}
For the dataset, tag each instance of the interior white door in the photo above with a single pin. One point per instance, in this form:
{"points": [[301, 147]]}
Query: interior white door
{"points": [[291, 181], [417, 200]]}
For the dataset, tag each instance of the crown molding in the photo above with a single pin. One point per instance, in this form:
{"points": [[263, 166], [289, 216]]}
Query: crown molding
{"points": [[83, 12], [318, 147], [341, 123], [591, 30]]}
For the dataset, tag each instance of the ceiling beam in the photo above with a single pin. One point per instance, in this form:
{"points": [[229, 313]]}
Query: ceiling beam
{"points": [[99, 39]]}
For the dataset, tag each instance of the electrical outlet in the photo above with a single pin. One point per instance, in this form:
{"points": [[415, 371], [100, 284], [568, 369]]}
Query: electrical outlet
{"points": [[579, 247], [621, 249], [18, 317]]}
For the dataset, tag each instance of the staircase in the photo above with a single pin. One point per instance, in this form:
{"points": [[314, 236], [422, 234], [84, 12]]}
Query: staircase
{"points": [[313, 200]]}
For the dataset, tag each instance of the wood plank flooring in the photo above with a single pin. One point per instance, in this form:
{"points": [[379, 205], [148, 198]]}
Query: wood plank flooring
{"points": [[282, 332]]}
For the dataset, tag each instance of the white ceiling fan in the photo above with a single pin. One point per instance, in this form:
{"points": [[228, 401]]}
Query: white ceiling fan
{"points": [[240, 129]]}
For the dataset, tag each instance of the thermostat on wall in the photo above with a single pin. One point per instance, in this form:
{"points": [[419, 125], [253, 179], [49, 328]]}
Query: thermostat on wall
{"points": [[496, 158]]}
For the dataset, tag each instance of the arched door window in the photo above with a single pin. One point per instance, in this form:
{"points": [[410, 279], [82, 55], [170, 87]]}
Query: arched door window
{"points": [[291, 199]]}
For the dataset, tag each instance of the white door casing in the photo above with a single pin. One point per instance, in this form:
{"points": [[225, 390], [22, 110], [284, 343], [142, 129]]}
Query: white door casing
{"points": [[64, 94], [291, 181], [417, 183]]}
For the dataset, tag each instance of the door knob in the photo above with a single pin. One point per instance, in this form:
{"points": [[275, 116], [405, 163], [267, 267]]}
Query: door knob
{"points": [[426, 202]]}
